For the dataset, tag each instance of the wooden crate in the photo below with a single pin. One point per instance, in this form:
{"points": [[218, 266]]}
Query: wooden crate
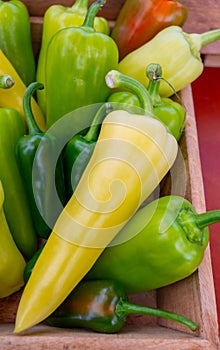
{"points": [[193, 297]]}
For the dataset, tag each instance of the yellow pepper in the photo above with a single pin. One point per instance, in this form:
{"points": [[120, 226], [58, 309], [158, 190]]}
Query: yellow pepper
{"points": [[13, 97], [133, 153], [178, 54], [12, 263]]}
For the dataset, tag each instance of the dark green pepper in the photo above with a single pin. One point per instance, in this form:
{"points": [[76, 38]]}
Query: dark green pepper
{"points": [[15, 38], [78, 58], [16, 205], [36, 156], [163, 242], [79, 149], [170, 112], [103, 306]]}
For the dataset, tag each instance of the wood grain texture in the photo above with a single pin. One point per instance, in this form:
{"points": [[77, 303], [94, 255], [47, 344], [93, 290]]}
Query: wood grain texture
{"points": [[141, 338]]}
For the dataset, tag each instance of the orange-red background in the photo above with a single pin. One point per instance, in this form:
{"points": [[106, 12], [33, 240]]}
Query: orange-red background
{"points": [[206, 94]]}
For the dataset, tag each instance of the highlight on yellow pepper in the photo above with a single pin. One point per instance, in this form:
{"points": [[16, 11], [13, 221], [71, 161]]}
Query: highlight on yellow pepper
{"points": [[177, 52], [13, 97], [133, 153], [12, 263]]}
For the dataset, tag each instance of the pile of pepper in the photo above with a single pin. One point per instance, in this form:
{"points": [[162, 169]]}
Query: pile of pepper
{"points": [[89, 129]]}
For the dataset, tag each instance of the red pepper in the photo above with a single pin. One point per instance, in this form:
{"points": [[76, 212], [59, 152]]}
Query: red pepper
{"points": [[140, 20]]}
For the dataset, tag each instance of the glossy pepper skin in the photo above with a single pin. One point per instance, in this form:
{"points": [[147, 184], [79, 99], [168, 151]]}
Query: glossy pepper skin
{"points": [[137, 97], [56, 18], [16, 203], [103, 306], [35, 157], [78, 60], [12, 263], [13, 97], [132, 154], [166, 241], [15, 38], [140, 20], [79, 150], [178, 54]]}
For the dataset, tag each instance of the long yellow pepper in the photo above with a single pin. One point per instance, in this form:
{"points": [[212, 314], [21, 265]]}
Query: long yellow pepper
{"points": [[12, 263], [132, 155], [13, 97]]}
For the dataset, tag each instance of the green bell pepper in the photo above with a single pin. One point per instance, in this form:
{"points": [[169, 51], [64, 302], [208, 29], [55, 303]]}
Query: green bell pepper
{"points": [[58, 17], [169, 112], [78, 60], [79, 149], [103, 306], [16, 205], [36, 154], [15, 38], [163, 243]]}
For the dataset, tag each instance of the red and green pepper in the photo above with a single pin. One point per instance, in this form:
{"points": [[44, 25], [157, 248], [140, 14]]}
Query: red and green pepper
{"points": [[103, 306]]}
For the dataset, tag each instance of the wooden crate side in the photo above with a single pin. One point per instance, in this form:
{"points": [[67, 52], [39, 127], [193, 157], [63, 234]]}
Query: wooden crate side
{"points": [[141, 338], [195, 296]]}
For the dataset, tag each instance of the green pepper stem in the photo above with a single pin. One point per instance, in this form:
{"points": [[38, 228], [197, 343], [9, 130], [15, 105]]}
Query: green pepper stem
{"points": [[6, 81], [210, 37], [31, 122], [124, 308], [206, 219], [116, 79], [93, 131], [154, 74], [92, 12]]}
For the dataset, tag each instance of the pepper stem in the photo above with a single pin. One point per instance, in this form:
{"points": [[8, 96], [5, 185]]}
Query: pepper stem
{"points": [[124, 308], [208, 218], [6, 81], [92, 12], [31, 122], [93, 131], [154, 74], [116, 79], [210, 36]]}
